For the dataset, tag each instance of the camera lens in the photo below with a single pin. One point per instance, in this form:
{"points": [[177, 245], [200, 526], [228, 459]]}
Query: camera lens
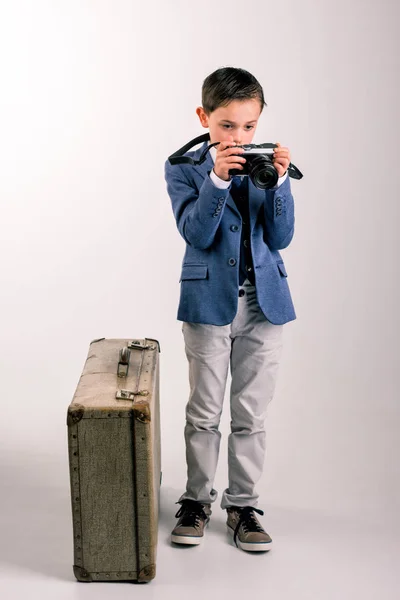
{"points": [[263, 173]]}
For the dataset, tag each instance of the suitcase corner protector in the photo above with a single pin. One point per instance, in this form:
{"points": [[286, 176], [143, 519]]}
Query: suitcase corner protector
{"points": [[75, 414], [97, 340], [147, 573], [81, 574], [141, 413], [156, 341]]}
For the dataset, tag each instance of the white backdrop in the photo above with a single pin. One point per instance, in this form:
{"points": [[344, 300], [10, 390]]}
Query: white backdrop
{"points": [[95, 94]]}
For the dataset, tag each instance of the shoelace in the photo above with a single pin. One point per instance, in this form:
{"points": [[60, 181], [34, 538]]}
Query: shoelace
{"points": [[249, 521], [191, 512]]}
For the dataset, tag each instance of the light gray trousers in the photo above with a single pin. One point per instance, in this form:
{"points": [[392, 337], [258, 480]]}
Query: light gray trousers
{"points": [[251, 346]]}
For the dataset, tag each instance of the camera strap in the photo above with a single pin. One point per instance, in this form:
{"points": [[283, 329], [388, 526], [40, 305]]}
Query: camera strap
{"points": [[177, 157]]}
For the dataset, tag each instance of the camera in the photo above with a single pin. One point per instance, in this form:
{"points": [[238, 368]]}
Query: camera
{"points": [[258, 165]]}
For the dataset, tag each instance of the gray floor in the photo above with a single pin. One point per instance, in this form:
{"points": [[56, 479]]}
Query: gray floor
{"points": [[316, 555]]}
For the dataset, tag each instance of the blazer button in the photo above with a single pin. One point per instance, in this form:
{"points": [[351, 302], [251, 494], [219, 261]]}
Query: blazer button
{"points": [[234, 228], [232, 262]]}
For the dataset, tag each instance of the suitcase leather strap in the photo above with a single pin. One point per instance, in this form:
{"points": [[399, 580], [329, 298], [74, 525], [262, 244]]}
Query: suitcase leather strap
{"points": [[123, 365]]}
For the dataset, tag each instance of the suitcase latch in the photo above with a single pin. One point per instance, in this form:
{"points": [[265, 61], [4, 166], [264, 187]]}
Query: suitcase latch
{"points": [[140, 345], [129, 394]]}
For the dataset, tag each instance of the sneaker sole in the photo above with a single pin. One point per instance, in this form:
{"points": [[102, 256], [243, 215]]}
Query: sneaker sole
{"points": [[250, 547], [187, 539]]}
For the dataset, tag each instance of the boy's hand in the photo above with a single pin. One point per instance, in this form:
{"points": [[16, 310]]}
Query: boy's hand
{"points": [[225, 159], [281, 159]]}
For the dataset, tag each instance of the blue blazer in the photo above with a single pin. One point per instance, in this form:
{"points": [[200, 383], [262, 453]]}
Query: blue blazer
{"points": [[210, 224]]}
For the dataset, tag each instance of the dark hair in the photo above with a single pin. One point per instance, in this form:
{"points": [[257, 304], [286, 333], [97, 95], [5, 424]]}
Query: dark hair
{"points": [[227, 84]]}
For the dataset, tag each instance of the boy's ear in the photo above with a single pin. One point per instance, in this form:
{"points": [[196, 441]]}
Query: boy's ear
{"points": [[202, 116]]}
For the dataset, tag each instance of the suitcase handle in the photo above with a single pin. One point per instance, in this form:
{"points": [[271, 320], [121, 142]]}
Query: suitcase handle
{"points": [[123, 368], [123, 363], [125, 354]]}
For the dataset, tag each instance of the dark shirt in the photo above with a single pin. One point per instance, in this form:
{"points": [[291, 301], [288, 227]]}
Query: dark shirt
{"points": [[239, 192]]}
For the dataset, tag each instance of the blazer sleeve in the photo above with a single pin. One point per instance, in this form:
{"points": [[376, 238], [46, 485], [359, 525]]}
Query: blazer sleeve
{"points": [[279, 216], [197, 212]]}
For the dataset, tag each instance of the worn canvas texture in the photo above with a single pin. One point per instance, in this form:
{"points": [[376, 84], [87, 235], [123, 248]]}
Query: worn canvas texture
{"points": [[115, 461]]}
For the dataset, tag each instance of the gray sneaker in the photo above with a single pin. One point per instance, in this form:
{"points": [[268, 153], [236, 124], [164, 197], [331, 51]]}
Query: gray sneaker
{"points": [[246, 530], [193, 517]]}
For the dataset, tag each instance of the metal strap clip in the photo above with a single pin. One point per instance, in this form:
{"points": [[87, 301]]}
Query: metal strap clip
{"points": [[129, 394], [140, 345]]}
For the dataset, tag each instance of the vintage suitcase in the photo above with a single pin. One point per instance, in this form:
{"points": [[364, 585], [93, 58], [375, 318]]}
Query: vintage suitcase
{"points": [[115, 461]]}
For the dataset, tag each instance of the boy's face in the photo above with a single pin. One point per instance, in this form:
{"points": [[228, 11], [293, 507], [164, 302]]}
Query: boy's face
{"points": [[238, 119]]}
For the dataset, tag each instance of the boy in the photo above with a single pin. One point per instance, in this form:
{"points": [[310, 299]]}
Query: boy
{"points": [[234, 301]]}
